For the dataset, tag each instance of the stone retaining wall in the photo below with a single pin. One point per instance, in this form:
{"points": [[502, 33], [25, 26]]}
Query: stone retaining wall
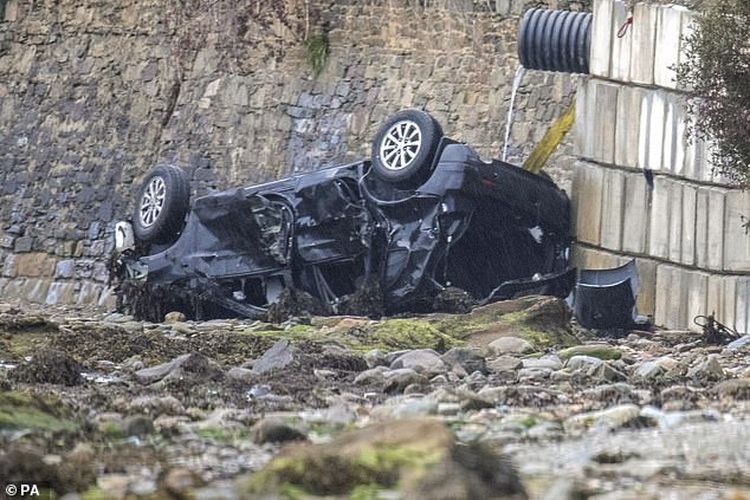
{"points": [[642, 189], [95, 93]]}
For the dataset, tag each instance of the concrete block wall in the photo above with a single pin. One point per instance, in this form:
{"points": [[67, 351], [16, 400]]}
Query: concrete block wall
{"points": [[642, 188]]}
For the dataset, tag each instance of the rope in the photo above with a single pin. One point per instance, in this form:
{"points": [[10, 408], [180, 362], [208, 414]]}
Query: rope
{"points": [[625, 26]]}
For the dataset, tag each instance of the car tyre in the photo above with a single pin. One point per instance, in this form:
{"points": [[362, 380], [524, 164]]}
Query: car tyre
{"points": [[404, 147], [161, 205]]}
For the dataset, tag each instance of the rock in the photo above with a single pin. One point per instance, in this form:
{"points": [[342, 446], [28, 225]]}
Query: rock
{"points": [[419, 456], [708, 369], [469, 358], [154, 405], [139, 425], [581, 362], [740, 343], [243, 375], [600, 351], [626, 415], [510, 345], [275, 358], [373, 376], [276, 430], [178, 482], [532, 374], [605, 372], [48, 366], [549, 361], [737, 389], [193, 365], [375, 357], [424, 361], [663, 367], [411, 407], [397, 380], [174, 317], [504, 364]]}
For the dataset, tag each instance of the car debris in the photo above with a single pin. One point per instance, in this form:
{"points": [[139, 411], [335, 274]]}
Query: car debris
{"points": [[425, 213], [605, 298]]}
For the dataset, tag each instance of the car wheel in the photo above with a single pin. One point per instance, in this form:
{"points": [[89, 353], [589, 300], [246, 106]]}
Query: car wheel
{"points": [[405, 145], [161, 205]]}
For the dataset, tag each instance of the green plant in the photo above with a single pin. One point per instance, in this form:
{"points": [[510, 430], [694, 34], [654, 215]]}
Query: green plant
{"points": [[317, 51], [717, 72]]}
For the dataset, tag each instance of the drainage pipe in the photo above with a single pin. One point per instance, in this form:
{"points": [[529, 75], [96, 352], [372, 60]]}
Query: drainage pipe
{"points": [[555, 40]]}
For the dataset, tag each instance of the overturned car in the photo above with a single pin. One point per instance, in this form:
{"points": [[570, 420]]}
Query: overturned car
{"points": [[423, 214]]}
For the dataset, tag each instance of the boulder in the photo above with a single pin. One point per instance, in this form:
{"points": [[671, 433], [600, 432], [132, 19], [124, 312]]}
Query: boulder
{"points": [[48, 366], [275, 358], [276, 430], [510, 345], [424, 361], [469, 358], [193, 365], [419, 457], [600, 351]]}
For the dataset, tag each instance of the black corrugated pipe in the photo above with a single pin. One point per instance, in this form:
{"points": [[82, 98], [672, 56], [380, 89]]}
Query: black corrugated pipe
{"points": [[555, 40]]}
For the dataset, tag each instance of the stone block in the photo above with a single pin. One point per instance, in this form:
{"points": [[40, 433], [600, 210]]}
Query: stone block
{"points": [[35, 264], [658, 245], [672, 284], [629, 105], [636, 218], [601, 38], [644, 43], [587, 202], [35, 290], [613, 198], [715, 236], [675, 221], [14, 288], [592, 258], [689, 204], [687, 27], [89, 293], [621, 47], [583, 124], [65, 268], [9, 266], [644, 130], [701, 227], [667, 53], [737, 241], [61, 293]]}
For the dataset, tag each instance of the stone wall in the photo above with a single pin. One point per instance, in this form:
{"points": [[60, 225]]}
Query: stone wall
{"points": [[642, 189], [94, 93]]}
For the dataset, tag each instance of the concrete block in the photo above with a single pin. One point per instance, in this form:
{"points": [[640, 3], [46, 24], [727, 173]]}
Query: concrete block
{"points": [[89, 293], [715, 236], [701, 227], [587, 202], [658, 245], [604, 112], [668, 31], [629, 105], [621, 47], [730, 301], [671, 294], [656, 131], [687, 27], [613, 197], [636, 217], [644, 43], [697, 293], [737, 241], [715, 296], [591, 258], [673, 154], [646, 301], [601, 38], [741, 312], [689, 204], [35, 290], [675, 221], [644, 130], [584, 121]]}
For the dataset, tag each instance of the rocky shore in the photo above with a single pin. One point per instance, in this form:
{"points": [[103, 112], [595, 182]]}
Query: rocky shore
{"points": [[510, 400]]}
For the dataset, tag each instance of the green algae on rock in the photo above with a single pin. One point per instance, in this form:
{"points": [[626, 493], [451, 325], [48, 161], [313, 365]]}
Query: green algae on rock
{"points": [[601, 351], [42, 413]]}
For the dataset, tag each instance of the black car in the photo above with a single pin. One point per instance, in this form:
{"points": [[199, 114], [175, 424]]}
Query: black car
{"points": [[423, 214]]}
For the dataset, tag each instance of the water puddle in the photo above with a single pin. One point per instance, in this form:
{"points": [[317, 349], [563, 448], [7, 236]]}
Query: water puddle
{"points": [[520, 72]]}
